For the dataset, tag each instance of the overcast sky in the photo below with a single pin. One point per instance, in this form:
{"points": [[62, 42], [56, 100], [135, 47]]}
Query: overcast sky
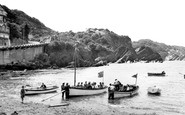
{"points": [[159, 20]]}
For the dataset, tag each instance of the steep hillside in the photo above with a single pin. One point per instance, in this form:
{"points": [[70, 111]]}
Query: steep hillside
{"points": [[18, 19], [167, 52], [96, 47]]}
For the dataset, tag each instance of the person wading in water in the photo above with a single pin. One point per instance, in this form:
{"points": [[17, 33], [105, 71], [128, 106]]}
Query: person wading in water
{"points": [[22, 94]]}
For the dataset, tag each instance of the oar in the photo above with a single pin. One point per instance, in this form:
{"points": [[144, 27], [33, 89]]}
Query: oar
{"points": [[52, 96]]}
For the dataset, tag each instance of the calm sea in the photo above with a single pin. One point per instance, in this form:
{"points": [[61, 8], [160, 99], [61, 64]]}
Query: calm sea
{"points": [[170, 102]]}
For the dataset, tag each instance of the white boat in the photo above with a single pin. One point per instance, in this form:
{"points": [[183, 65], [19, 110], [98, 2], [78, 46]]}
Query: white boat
{"points": [[75, 91], [127, 93], [38, 90], [154, 90]]}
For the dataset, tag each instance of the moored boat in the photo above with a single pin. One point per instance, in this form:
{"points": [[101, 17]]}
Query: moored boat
{"points": [[154, 90], [133, 90], [38, 90], [157, 74], [75, 91]]}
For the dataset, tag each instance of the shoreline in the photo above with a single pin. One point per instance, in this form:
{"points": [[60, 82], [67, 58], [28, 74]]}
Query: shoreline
{"points": [[8, 105]]}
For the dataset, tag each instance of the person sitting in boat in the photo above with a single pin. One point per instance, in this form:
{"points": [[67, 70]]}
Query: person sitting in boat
{"points": [[102, 84], [111, 90], [81, 85], [121, 87], [163, 72], [43, 86], [78, 85], [117, 84], [89, 85], [93, 84], [85, 84]]}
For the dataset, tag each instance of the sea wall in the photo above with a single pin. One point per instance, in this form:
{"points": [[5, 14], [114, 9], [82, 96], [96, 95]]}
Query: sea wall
{"points": [[20, 53]]}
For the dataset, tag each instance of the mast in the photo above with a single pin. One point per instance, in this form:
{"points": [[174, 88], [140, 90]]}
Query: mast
{"points": [[75, 67]]}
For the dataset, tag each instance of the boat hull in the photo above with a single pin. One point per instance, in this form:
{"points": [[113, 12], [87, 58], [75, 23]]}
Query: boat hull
{"points": [[121, 94], [156, 74], [154, 90], [35, 91], [74, 92]]}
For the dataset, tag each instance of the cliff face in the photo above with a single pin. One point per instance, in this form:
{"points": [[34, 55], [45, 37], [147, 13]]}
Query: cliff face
{"points": [[147, 54], [96, 47], [167, 52]]}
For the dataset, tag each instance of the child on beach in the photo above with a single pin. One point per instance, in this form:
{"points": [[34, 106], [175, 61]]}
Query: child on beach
{"points": [[22, 93]]}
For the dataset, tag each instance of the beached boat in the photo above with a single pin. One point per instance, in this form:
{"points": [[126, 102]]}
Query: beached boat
{"points": [[75, 91], [133, 90], [38, 90], [154, 90], [157, 74]]}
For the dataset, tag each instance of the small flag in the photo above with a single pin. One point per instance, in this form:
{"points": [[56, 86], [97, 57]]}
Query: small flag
{"points": [[134, 76], [100, 74]]}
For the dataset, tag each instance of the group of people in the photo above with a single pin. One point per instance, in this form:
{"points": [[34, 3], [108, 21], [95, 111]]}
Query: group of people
{"points": [[114, 87], [89, 85], [65, 90], [117, 86]]}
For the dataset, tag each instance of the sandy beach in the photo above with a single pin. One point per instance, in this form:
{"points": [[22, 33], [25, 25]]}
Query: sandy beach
{"points": [[8, 105]]}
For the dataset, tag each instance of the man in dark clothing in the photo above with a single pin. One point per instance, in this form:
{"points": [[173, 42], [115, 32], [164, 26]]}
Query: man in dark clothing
{"points": [[67, 90], [63, 89], [111, 91], [22, 93]]}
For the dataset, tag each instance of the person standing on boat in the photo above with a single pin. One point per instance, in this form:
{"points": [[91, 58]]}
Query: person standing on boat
{"points": [[111, 90], [67, 90], [22, 94], [117, 84], [63, 89]]}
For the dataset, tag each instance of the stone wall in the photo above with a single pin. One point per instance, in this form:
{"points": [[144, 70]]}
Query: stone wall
{"points": [[21, 53]]}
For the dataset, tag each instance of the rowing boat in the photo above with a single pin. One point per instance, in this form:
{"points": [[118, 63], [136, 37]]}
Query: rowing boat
{"points": [[157, 74], [154, 90], [38, 90], [133, 90]]}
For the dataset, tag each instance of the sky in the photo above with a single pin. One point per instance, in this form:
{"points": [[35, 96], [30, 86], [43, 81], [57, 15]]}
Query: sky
{"points": [[159, 20]]}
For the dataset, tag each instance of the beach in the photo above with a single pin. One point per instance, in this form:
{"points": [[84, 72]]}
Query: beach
{"points": [[8, 105]]}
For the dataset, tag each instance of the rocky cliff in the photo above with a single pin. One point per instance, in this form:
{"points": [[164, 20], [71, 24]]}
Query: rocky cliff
{"points": [[167, 52], [96, 47]]}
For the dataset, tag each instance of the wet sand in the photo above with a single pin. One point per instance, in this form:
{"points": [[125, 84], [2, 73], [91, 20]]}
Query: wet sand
{"points": [[9, 105]]}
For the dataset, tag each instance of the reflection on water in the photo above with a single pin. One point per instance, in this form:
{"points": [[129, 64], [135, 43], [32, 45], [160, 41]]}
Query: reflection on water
{"points": [[171, 100]]}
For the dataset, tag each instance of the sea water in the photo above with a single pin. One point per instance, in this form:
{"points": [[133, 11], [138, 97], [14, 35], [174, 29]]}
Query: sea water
{"points": [[170, 102]]}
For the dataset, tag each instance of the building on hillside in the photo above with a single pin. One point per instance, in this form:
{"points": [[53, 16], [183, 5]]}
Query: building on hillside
{"points": [[4, 29]]}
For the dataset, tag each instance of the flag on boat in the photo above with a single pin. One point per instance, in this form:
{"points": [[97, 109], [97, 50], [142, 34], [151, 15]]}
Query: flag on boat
{"points": [[100, 74], [134, 76]]}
